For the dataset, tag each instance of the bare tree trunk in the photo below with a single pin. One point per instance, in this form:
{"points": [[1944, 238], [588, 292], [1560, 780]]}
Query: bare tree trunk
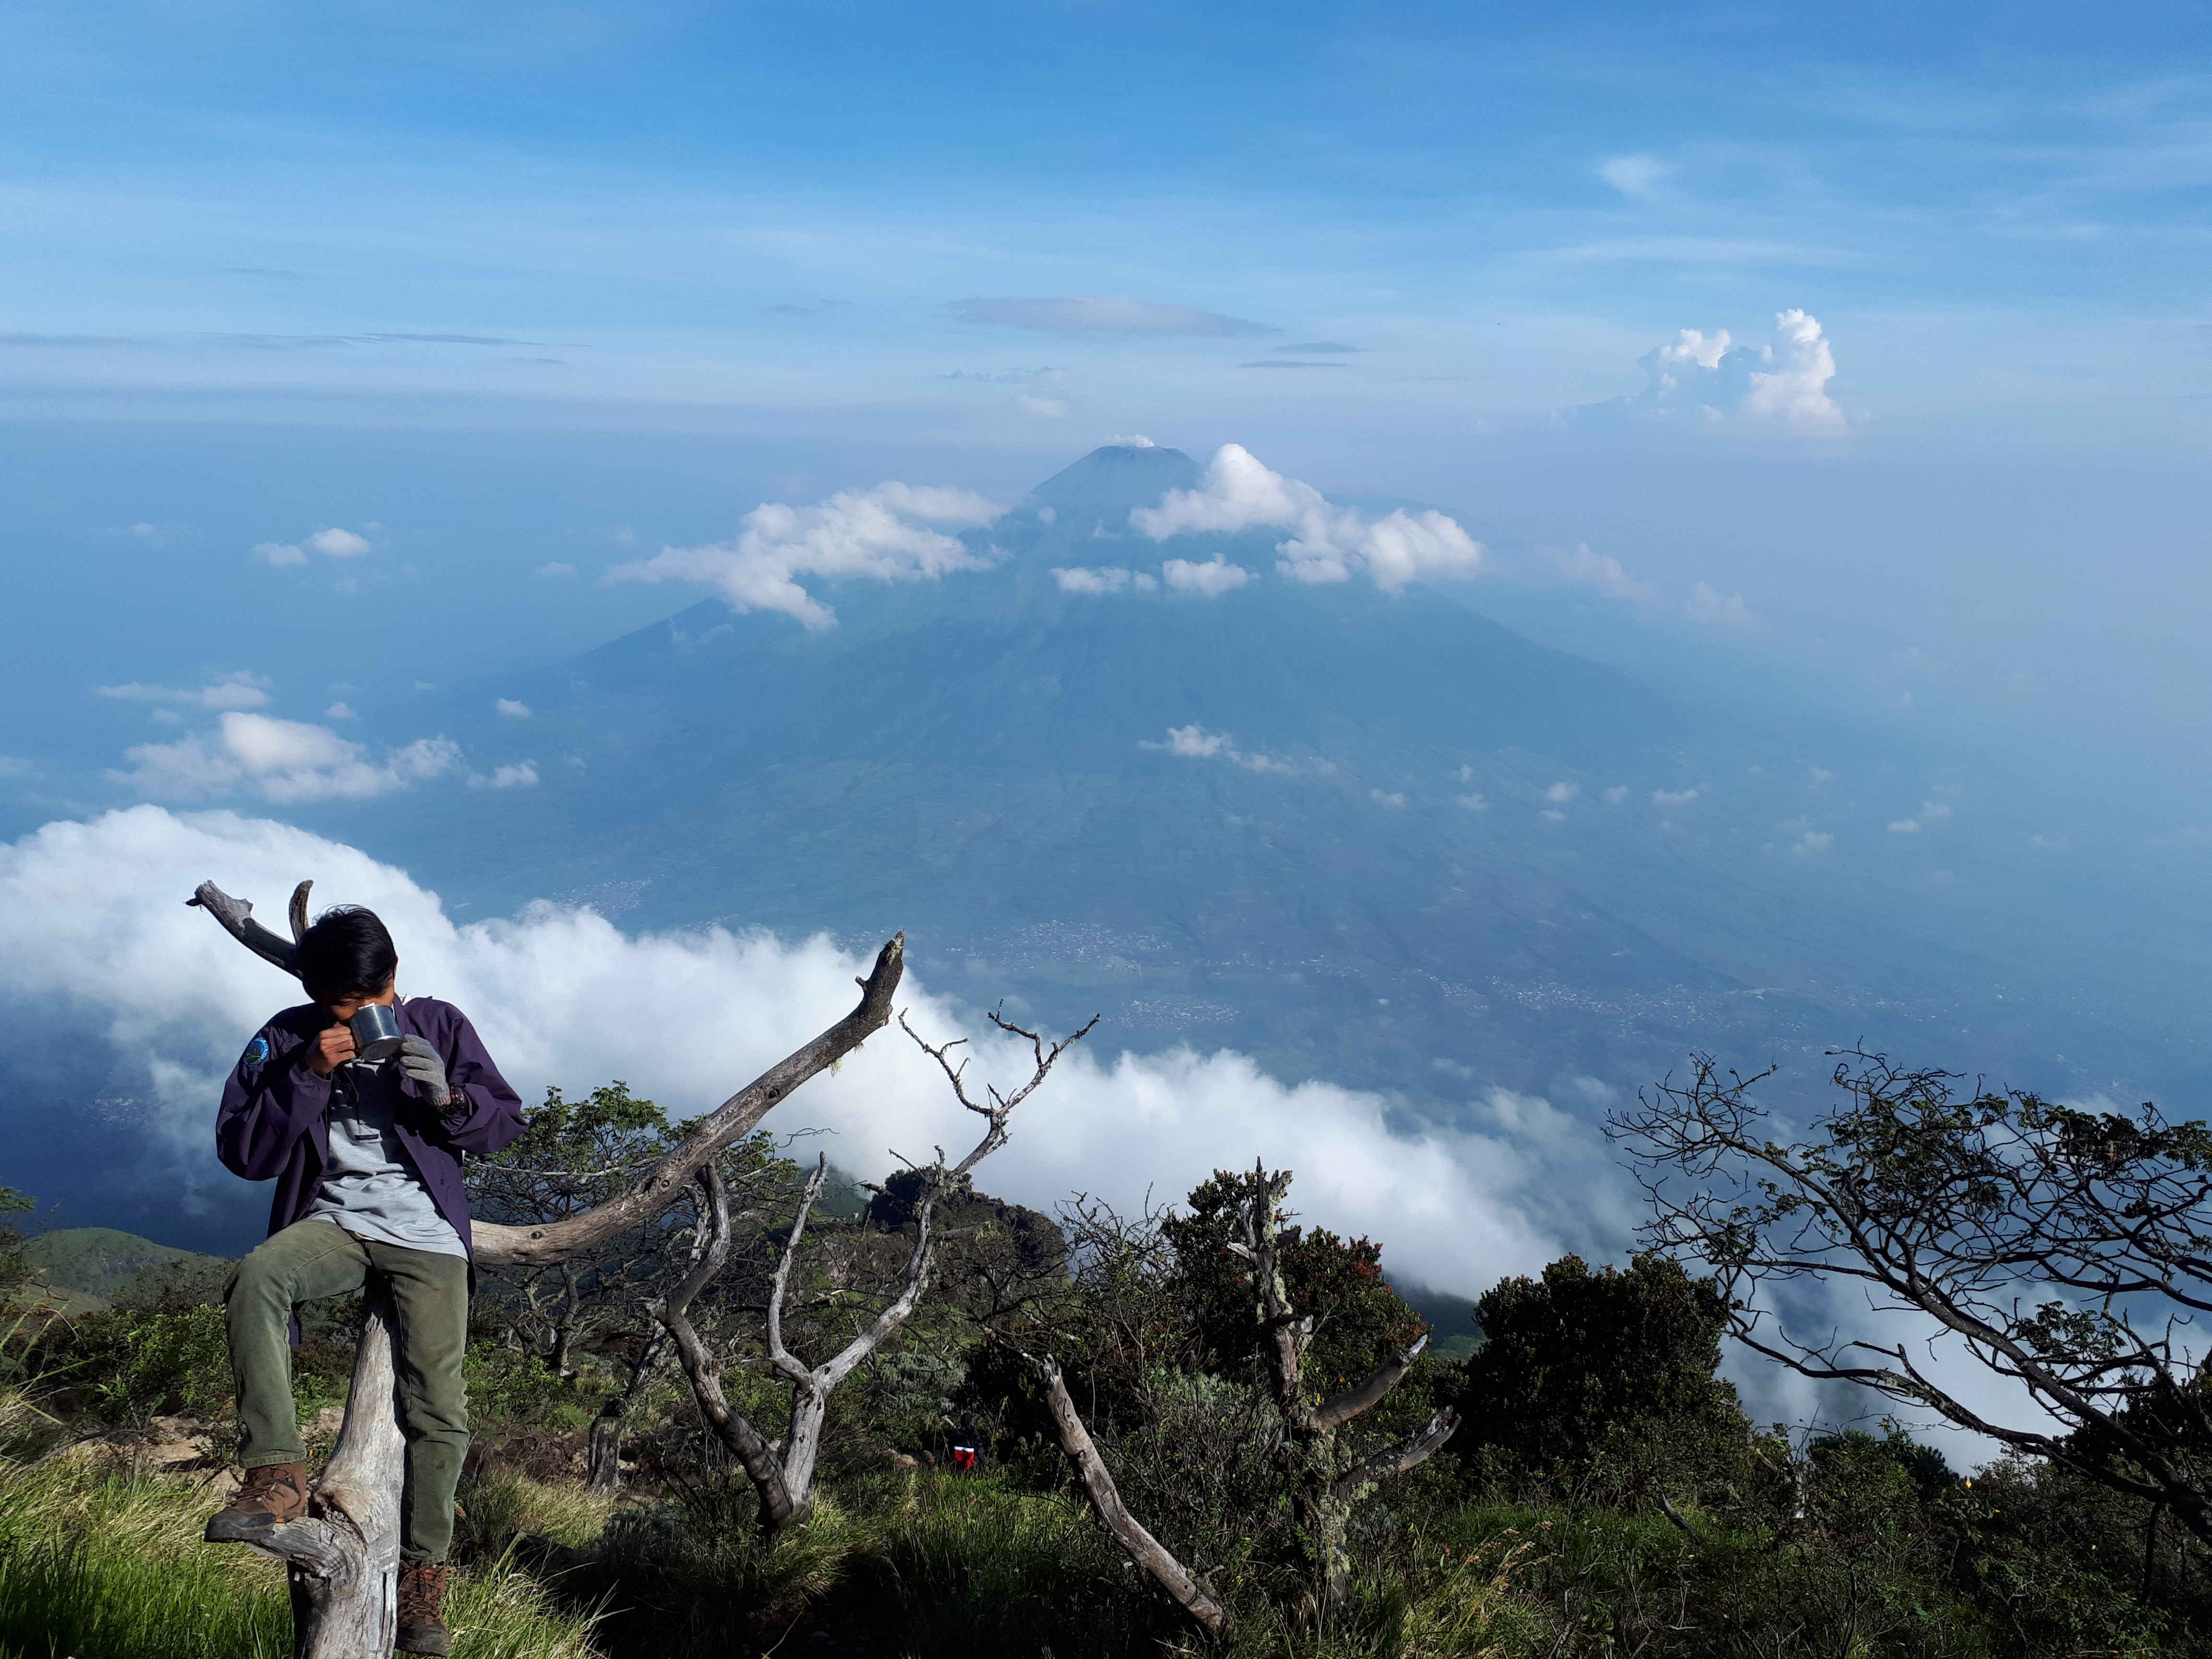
{"points": [[344, 1556], [603, 1450], [1188, 1591], [1323, 1496]]}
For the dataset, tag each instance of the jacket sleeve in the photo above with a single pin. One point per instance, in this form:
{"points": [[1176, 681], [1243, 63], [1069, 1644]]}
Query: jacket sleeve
{"points": [[272, 1098], [485, 1112]]}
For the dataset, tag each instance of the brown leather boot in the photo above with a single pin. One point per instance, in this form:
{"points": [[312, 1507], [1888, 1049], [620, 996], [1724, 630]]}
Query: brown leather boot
{"points": [[272, 1494], [422, 1609]]}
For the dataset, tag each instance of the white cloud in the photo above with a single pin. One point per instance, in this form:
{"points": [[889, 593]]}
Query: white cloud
{"points": [[1050, 409], [338, 544], [1092, 313], [519, 776], [1670, 797], [1905, 827], [1931, 810], [281, 760], [1708, 380], [1563, 792], [339, 711], [242, 690], [279, 553], [1599, 571], [889, 533], [1718, 610], [1393, 799], [1552, 815], [512, 709], [1196, 743], [1633, 175], [1815, 841], [1474, 803], [556, 569], [1105, 579], [1131, 441], [1329, 544], [1216, 576], [95, 945], [1617, 794]]}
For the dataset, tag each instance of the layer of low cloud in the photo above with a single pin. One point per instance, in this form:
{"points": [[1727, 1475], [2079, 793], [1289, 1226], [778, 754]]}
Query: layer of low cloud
{"points": [[1094, 313], [242, 690], [95, 944], [1701, 379], [1106, 579], [893, 532], [1329, 544], [283, 761]]}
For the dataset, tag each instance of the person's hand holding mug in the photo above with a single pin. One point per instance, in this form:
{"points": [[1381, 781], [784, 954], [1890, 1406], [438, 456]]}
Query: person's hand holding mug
{"points": [[331, 1050]]}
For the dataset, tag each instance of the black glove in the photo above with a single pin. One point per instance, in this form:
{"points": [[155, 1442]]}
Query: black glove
{"points": [[420, 1061]]}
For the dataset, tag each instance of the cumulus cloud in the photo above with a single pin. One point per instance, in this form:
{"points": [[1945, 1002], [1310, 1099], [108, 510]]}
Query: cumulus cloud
{"points": [[279, 553], [1668, 797], [1329, 544], [1708, 380], [338, 544], [1194, 742], [1905, 827], [1107, 579], [512, 709], [242, 690], [1092, 313], [95, 944], [893, 532], [1215, 576], [521, 775], [283, 761]]}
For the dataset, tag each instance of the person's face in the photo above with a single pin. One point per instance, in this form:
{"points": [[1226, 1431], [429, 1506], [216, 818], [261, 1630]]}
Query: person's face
{"points": [[351, 1005]]}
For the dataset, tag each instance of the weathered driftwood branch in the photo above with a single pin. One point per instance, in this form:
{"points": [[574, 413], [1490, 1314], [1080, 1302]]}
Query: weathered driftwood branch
{"points": [[344, 1556], [784, 1476], [1413, 1450], [236, 916], [1184, 1588], [721, 1128]]}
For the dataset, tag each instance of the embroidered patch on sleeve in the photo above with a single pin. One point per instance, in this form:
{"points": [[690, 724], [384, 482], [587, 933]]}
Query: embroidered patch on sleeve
{"points": [[256, 1051]]}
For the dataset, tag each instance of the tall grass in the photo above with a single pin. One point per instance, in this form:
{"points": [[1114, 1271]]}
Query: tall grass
{"points": [[105, 1566]]}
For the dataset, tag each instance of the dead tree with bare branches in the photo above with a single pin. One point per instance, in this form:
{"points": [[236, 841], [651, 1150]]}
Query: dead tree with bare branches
{"points": [[782, 1472], [343, 1555]]}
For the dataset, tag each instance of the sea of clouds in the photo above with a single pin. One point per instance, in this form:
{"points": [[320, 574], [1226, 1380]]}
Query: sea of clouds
{"points": [[96, 944]]}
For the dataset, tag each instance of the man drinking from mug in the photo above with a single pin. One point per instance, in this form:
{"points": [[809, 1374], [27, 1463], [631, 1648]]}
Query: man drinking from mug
{"points": [[366, 1156]]}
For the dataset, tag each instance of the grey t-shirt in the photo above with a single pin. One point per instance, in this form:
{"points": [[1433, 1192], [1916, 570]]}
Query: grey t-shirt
{"points": [[370, 1187]]}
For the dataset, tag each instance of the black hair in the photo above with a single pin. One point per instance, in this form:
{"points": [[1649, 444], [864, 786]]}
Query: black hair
{"points": [[347, 954]]}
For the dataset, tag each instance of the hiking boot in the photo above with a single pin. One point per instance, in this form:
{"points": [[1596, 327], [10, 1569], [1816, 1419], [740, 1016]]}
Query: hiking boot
{"points": [[422, 1609], [272, 1494]]}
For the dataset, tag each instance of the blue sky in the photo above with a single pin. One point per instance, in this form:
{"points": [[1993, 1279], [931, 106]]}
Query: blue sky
{"points": [[496, 288]]}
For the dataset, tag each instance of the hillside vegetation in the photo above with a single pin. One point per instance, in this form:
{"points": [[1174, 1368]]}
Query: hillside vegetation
{"points": [[1604, 1494]]}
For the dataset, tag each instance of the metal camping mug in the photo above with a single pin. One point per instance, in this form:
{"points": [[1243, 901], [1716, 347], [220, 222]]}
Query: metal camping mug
{"points": [[375, 1032]]}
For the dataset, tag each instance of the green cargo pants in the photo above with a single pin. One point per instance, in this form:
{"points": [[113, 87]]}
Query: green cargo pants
{"points": [[314, 1259]]}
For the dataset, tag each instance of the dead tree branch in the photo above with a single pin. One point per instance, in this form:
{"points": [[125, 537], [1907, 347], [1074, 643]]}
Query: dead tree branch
{"points": [[1184, 1588]]}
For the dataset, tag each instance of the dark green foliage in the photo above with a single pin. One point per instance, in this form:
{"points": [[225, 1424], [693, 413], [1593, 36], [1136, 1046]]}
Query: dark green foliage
{"points": [[1336, 1282], [1603, 1376]]}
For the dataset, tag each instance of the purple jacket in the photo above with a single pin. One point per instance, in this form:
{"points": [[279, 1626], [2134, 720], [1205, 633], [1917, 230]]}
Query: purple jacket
{"points": [[271, 1121]]}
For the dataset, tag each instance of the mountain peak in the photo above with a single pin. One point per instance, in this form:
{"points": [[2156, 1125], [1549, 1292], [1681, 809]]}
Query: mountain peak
{"points": [[1110, 480]]}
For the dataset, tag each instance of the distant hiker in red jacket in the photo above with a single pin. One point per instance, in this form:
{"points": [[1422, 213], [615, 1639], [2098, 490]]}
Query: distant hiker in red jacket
{"points": [[367, 1158]]}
